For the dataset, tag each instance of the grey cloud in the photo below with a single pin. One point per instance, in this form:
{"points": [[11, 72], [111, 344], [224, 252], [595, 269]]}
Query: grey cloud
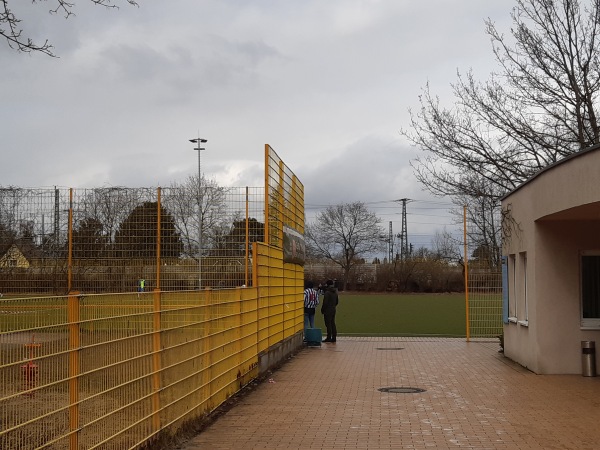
{"points": [[326, 87]]}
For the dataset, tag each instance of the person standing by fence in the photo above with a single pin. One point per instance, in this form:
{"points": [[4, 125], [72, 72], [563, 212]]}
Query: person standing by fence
{"points": [[328, 308], [141, 286], [311, 301]]}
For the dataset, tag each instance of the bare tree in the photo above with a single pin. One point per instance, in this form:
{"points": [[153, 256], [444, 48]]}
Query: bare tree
{"points": [[11, 199], [183, 201], [483, 221], [10, 24], [446, 247], [538, 108], [109, 206], [345, 234]]}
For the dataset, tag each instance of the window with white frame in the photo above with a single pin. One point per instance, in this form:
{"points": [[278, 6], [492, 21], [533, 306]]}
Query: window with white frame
{"points": [[590, 290], [523, 314], [512, 289]]}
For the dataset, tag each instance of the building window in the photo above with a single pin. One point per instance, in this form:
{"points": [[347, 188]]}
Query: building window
{"points": [[590, 290], [512, 289], [523, 313]]}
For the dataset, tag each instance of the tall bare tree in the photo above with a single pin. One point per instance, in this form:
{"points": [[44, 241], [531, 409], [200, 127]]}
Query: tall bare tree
{"points": [[540, 106], [10, 24], [185, 200], [446, 247], [345, 234], [109, 206]]}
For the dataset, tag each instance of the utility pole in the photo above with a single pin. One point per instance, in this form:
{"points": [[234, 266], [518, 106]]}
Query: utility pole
{"points": [[390, 245], [56, 217], [403, 234]]}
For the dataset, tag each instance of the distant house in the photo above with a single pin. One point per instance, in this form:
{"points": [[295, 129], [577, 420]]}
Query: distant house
{"points": [[13, 257], [551, 257]]}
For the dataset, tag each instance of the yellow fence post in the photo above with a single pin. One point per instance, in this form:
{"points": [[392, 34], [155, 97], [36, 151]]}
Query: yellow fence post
{"points": [[246, 258], [158, 231], [156, 345], [156, 361], [74, 344], [211, 327], [70, 244], [267, 194], [466, 275], [280, 204]]}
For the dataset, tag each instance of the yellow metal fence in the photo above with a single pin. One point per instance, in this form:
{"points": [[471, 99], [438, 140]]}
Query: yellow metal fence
{"points": [[485, 304], [105, 240], [113, 371]]}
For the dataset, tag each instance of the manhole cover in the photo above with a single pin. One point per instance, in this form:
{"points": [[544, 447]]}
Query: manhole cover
{"points": [[390, 348], [401, 390]]}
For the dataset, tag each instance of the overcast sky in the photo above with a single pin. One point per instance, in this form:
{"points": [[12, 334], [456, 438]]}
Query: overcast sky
{"points": [[326, 83]]}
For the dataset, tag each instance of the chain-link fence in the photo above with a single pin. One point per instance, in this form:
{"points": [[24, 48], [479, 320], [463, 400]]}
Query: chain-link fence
{"points": [[118, 239]]}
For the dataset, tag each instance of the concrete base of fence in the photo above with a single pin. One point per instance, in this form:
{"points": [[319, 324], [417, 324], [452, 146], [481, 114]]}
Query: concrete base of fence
{"points": [[278, 353]]}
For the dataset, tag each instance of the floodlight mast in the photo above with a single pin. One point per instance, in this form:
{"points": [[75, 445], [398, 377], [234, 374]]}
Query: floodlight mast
{"points": [[199, 149]]}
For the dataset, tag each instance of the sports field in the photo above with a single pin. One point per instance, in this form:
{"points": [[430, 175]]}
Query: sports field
{"points": [[357, 314], [399, 315]]}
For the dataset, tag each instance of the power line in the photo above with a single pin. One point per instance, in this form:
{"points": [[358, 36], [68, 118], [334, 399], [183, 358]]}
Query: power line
{"points": [[419, 209]]}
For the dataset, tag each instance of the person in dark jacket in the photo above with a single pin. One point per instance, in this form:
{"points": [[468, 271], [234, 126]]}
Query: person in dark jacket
{"points": [[330, 302]]}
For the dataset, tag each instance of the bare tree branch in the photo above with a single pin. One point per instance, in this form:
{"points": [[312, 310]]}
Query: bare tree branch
{"points": [[11, 30], [539, 108], [345, 234]]}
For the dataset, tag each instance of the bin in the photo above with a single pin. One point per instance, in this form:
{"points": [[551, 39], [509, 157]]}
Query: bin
{"points": [[313, 337], [588, 358]]}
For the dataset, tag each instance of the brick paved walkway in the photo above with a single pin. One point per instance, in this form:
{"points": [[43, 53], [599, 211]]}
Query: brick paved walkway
{"points": [[328, 398]]}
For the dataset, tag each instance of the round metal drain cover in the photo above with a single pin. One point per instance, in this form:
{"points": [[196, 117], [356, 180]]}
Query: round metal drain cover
{"points": [[390, 348], [401, 390]]}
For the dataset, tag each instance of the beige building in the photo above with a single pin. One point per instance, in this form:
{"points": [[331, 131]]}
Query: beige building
{"points": [[13, 257], [551, 248]]}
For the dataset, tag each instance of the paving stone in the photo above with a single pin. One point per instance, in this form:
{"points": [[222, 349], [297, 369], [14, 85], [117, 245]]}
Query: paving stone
{"points": [[327, 398]]}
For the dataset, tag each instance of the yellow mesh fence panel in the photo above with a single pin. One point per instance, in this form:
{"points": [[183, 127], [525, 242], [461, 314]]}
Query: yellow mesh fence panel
{"points": [[133, 347], [124, 240], [284, 198], [484, 284], [293, 317], [281, 303], [109, 371], [485, 304]]}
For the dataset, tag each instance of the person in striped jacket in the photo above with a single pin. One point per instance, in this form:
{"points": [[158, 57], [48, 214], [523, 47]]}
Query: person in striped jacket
{"points": [[311, 301]]}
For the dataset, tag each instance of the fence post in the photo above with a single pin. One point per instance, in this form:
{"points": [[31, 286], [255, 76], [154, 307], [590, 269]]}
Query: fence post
{"points": [[156, 361], [267, 195], [247, 256], [70, 244], [158, 231], [74, 330], [468, 331]]}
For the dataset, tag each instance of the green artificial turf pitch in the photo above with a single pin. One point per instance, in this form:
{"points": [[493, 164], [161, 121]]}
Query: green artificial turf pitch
{"points": [[399, 315]]}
